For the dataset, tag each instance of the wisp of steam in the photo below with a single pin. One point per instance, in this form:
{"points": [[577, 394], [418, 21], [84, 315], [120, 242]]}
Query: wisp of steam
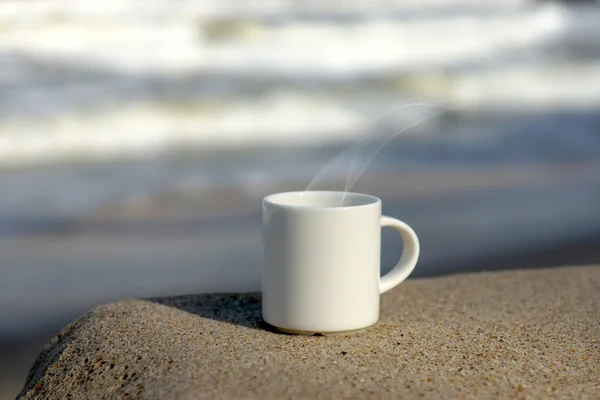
{"points": [[342, 172]]}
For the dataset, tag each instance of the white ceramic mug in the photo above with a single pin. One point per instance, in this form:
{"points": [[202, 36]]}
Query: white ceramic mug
{"points": [[321, 256]]}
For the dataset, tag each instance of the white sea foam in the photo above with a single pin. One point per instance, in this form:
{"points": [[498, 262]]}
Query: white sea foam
{"points": [[104, 79]]}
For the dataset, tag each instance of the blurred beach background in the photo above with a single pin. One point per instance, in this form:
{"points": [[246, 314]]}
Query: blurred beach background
{"points": [[137, 139]]}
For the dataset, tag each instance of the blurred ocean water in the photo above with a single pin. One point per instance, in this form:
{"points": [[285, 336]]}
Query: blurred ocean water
{"points": [[116, 102], [116, 81]]}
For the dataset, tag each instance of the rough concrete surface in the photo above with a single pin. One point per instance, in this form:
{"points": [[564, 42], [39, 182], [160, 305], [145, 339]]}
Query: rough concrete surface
{"points": [[518, 334]]}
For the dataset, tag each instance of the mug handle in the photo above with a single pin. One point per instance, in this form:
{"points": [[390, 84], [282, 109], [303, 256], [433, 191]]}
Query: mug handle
{"points": [[409, 258]]}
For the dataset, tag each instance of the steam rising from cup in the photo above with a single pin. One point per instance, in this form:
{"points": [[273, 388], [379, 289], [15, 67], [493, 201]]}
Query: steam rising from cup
{"points": [[342, 172]]}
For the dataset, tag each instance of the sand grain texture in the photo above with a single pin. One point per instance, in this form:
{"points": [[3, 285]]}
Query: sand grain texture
{"points": [[518, 334]]}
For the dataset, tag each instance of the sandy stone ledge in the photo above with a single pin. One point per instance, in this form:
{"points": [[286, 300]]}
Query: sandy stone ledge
{"points": [[518, 334]]}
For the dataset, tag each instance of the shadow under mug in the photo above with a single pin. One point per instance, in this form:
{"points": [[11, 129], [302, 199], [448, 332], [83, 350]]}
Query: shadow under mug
{"points": [[321, 261]]}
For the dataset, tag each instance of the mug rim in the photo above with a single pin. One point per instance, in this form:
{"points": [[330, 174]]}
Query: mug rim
{"points": [[270, 200]]}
